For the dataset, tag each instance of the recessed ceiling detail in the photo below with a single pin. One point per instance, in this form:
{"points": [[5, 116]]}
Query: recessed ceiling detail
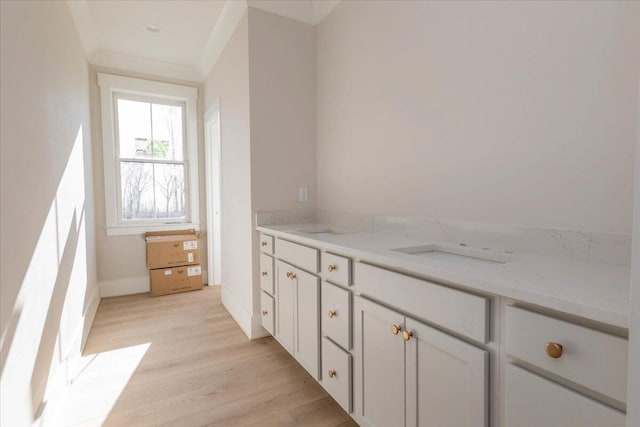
{"points": [[178, 39]]}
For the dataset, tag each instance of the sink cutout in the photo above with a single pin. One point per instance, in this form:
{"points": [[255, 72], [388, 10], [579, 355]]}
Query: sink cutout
{"points": [[454, 255], [321, 232]]}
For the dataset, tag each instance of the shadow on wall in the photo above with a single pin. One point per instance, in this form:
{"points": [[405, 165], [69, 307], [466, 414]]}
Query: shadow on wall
{"points": [[45, 330]]}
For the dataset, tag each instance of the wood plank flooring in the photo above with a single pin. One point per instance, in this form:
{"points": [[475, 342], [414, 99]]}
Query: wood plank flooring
{"points": [[181, 360]]}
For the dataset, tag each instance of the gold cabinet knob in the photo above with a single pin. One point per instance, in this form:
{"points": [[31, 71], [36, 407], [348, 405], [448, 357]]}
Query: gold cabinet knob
{"points": [[332, 373], [263, 244], [553, 349], [331, 314], [406, 335], [293, 276], [265, 312], [264, 273], [395, 329], [332, 267], [288, 274]]}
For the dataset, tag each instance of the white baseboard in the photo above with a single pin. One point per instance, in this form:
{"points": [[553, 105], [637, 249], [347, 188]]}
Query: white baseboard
{"points": [[130, 286], [65, 372], [250, 324], [237, 311]]}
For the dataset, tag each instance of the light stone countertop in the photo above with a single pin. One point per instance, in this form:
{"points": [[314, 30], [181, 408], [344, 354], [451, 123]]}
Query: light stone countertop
{"points": [[593, 290]]}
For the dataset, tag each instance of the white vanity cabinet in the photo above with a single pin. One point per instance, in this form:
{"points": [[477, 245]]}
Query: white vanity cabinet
{"points": [[298, 315], [410, 374], [396, 348]]}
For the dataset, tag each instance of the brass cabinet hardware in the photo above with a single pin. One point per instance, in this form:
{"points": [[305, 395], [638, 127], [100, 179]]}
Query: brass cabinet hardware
{"points": [[332, 373], [265, 312], [331, 314], [263, 244], [553, 349], [264, 273], [395, 329], [293, 276], [332, 267], [406, 335], [289, 274]]}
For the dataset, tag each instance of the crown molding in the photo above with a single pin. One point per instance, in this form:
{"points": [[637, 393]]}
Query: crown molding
{"points": [[232, 13], [84, 26], [145, 66]]}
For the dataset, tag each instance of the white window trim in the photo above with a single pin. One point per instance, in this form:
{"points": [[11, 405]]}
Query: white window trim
{"points": [[189, 95]]}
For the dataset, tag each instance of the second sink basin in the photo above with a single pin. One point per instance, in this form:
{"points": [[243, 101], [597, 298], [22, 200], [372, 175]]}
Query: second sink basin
{"points": [[455, 255]]}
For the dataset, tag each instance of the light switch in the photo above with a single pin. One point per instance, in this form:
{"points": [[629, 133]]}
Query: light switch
{"points": [[302, 194]]}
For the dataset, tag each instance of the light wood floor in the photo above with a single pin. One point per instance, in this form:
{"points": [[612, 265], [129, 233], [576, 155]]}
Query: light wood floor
{"points": [[181, 360]]}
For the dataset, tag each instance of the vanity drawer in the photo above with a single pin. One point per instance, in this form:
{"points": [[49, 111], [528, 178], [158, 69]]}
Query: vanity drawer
{"points": [[532, 401], [266, 274], [336, 269], [266, 243], [591, 358], [336, 320], [458, 311], [267, 307], [336, 373], [298, 255]]}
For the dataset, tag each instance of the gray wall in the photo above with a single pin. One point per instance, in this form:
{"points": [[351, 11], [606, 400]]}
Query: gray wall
{"points": [[48, 291], [501, 112]]}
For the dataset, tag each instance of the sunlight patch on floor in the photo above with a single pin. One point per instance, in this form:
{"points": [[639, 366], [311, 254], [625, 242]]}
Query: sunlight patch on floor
{"points": [[102, 378]]}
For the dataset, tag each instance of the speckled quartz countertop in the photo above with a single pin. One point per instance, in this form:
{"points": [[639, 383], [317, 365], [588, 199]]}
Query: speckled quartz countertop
{"points": [[593, 290]]}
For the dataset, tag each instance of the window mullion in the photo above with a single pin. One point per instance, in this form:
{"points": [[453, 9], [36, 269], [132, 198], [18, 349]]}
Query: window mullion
{"points": [[153, 166]]}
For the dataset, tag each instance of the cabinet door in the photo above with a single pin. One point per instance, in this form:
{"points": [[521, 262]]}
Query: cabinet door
{"points": [[285, 305], [307, 344], [379, 378], [447, 379]]}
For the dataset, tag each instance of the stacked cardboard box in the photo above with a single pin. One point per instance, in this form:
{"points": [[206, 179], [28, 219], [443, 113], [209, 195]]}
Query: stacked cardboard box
{"points": [[173, 260]]}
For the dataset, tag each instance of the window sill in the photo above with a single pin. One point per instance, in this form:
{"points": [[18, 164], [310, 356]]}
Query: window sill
{"points": [[129, 230]]}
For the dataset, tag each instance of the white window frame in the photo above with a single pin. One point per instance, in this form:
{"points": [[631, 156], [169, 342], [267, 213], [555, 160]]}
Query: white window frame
{"points": [[110, 85]]}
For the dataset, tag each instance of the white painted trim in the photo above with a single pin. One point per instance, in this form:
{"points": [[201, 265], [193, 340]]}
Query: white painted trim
{"points": [[84, 26], [138, 64], [213, 184], [109, 84], [633, 373], [125, 230], [127, 286], [257, 331], [130, 286], [56, 392], [232, 13], [240, 314], [310, 12]]}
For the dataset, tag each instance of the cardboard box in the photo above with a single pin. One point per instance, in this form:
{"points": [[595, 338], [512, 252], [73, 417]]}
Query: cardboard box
{"points": [[171, 249], [166, 281]]}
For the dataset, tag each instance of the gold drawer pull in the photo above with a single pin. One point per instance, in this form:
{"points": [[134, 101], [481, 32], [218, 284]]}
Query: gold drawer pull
{"points": [[263, 244], [395, 329], [265, 312], [332, 267], [264, 273], [332, 373], [553, 349], [331, 314], [406, 335], [293, 276]]}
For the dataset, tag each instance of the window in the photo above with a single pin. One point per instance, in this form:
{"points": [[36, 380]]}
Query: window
{"points": [[150, 155]]}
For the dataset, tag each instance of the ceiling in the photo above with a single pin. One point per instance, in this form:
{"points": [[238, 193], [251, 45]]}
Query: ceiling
{"points": [[191, 36]]}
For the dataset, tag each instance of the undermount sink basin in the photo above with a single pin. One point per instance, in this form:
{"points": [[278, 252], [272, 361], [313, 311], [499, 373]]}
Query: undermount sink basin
{"points": [[320, 232], [455, 255]]}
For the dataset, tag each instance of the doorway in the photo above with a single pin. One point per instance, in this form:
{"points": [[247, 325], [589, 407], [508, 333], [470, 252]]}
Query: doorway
{"points": [[213, 188]]}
